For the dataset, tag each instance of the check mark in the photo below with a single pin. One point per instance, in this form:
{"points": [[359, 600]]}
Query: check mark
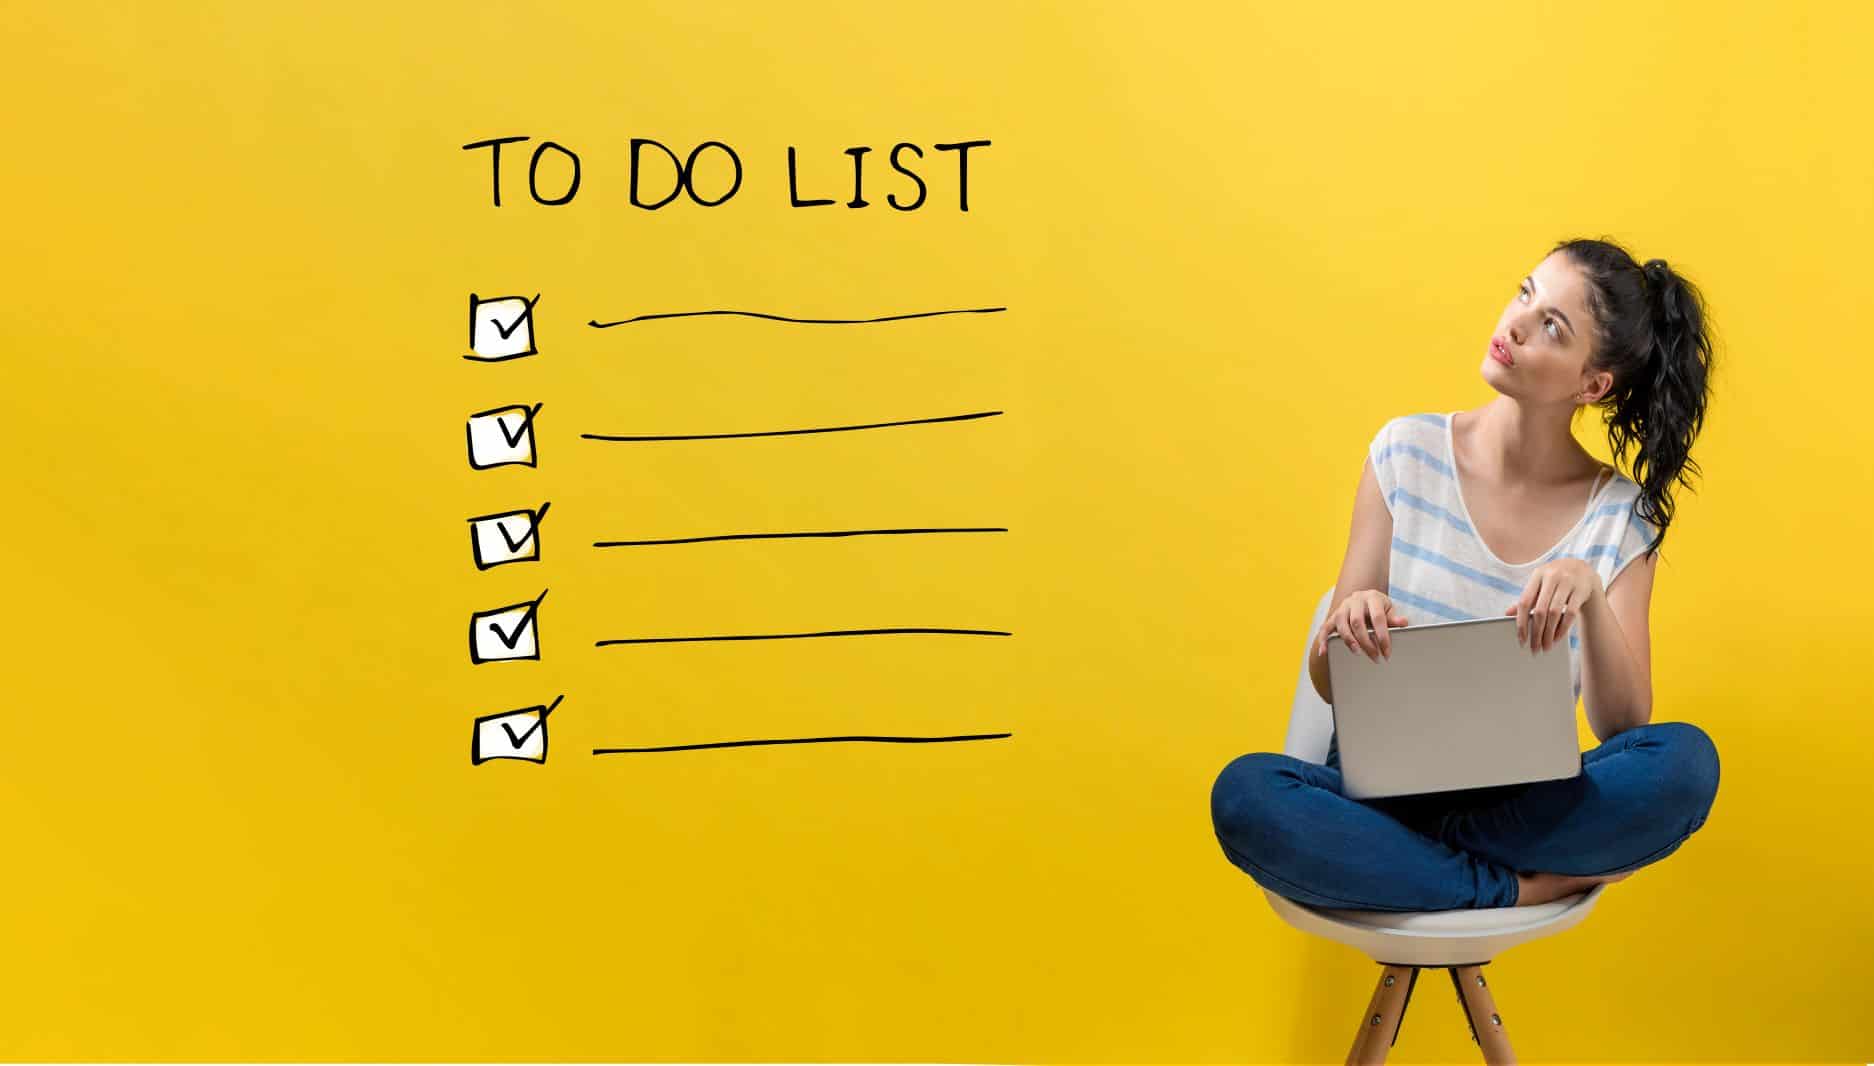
{"points": [[527, 619], [517, 739], [515, 545], [508, 331], [514, 438]]}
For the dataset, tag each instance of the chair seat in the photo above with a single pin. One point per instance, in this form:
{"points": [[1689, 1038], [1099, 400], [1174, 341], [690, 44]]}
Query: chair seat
{"points": [[1459, 937]]}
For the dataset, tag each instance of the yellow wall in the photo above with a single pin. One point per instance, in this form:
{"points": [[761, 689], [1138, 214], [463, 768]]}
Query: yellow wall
{"points": [[241, 818]]}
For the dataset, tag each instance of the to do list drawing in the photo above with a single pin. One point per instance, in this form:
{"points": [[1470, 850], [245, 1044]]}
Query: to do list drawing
{"points": [[505, 328]]}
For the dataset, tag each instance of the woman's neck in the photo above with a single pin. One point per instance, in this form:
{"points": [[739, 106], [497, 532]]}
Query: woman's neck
{"points": [[1515, 442]]}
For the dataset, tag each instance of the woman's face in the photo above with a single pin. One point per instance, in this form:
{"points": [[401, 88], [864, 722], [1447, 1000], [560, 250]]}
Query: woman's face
{"points": [[1547, 333]]}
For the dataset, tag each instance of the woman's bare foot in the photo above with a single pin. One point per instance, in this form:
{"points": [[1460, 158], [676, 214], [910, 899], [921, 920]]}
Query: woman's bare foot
{"points": [[1532, 889]]}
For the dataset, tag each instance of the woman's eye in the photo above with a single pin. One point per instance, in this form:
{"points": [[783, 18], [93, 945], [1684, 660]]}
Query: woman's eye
{"points": [[1523, 290]]}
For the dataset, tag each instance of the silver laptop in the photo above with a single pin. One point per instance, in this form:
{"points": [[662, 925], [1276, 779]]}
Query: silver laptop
{"points": [[1459, 705]]}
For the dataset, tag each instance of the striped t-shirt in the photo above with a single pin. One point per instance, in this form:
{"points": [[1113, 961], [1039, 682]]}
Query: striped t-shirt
{"points": [[1440, 569]]}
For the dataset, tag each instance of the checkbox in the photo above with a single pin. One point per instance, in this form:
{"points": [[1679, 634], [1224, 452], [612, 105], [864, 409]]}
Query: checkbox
{"points": [[501, 327], [502, 436], [511, 632], [508, 537], [520, 734]]}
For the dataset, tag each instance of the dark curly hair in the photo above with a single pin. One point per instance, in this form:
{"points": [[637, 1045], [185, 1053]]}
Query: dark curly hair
{"points": [[1650, 331]]}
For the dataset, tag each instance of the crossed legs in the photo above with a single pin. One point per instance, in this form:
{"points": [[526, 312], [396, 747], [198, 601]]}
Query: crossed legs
{"points": [[1640, 794]]}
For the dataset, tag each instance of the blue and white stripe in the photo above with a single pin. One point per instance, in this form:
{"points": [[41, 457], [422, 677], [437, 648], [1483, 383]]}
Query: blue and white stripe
{"points": [[1439, 568]]}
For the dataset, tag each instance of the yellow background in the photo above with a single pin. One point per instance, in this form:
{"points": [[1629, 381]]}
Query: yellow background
{"points": [[241, 819]]}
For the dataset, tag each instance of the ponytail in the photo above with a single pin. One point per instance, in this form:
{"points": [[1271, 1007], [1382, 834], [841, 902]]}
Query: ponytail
{"points": [[1652, 334]]}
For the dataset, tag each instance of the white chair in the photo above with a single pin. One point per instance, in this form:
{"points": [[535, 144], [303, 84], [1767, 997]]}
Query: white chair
{"points": [[1402, 942]]}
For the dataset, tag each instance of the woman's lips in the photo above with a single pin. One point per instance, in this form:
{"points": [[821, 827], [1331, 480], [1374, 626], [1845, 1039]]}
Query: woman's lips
{"points": [[1498, 353]]}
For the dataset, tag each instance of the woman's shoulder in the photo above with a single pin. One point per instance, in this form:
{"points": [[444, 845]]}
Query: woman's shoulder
{"points": [[1423, 428], [1417, 420], [1619, 485], [1619, 505], [1430, 419]]}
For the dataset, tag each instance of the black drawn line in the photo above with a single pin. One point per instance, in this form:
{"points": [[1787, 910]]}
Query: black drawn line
{"points": [[508, 331], [528, 617], [533, 527], [786, 432], [475, 745], [526, 423], [514, 546], [596, 324], [518, 740], [526, 316], [825, 533], [804, 740], [513, 439], [786, 636]]}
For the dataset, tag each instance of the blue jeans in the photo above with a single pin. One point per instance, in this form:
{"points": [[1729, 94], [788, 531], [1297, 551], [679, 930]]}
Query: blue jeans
{"points": [[1284, 821]]}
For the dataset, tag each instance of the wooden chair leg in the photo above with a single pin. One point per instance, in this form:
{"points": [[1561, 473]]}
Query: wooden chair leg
{"points": [[1480, 1009], [1379, 1026]]}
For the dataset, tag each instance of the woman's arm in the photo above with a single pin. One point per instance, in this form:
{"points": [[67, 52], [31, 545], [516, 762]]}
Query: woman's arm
{"points": [[1617, 652], [1367, 565]]}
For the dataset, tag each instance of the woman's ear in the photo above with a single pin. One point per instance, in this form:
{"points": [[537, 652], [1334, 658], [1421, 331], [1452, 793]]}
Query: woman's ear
{"points": [[1596, 385]]}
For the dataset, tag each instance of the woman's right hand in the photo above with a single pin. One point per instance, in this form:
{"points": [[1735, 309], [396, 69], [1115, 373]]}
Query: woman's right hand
{"points": [[1353, 617]]}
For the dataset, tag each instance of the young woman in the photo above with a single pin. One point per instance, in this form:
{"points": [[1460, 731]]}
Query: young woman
{"points": [[1444, 502]]}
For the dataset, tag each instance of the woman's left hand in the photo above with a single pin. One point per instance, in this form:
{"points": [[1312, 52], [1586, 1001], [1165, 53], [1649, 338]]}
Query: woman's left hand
{"points": [[1558, 592]]}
